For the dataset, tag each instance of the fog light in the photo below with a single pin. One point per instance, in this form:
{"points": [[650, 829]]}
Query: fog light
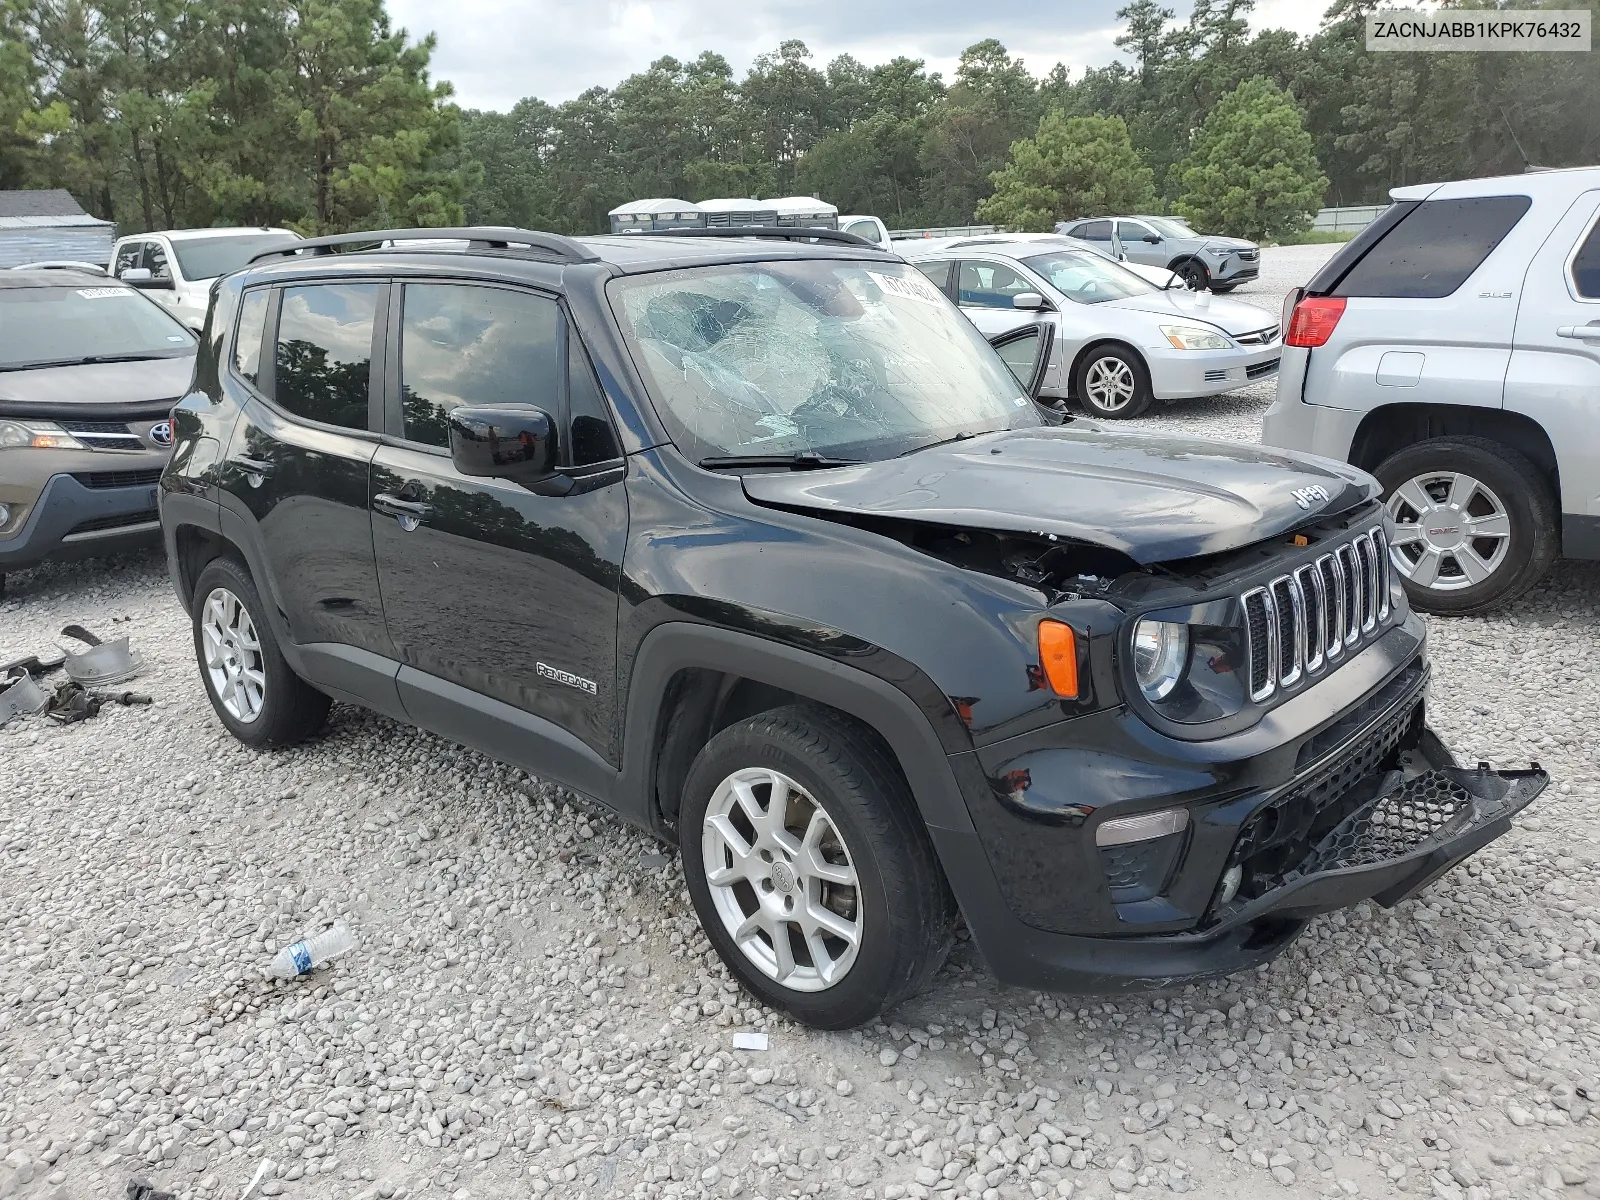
{"points": [[1142, 828], [5, 516]]}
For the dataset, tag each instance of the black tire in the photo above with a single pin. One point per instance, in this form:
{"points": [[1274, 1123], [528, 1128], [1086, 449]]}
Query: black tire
{"points": [[290, 709], [1194, 273], [1099, 358], [1524, 494], [904, 907]]}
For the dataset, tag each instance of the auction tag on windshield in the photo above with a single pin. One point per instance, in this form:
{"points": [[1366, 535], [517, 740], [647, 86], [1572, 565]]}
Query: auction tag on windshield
{"points": [[102, 293], [909, 287]]}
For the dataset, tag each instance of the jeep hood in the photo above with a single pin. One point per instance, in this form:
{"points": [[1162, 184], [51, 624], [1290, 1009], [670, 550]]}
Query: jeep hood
{"points": [[1155, 499]]}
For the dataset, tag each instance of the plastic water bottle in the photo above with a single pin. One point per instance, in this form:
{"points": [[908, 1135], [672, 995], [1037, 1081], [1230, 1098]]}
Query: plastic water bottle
{"points": [[296, 960]]}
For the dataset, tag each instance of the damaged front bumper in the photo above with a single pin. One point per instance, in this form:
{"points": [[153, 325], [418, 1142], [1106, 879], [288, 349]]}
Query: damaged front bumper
{"points": [[1384, 837], [1400, 831]]}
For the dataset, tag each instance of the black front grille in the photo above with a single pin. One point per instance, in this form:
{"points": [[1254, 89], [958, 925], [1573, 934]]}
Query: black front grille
{"points": [[98, 524], [117, 479], [1257, 370], [94, 427]]}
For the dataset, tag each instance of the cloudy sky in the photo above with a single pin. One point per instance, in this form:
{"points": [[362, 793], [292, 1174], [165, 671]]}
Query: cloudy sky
{"points": [[497, 51]]}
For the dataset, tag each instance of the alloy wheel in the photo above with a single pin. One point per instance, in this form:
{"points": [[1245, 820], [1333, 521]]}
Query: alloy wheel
{"points": [[233, 655], [1451, 530], [782, 880], [1109, 384]]}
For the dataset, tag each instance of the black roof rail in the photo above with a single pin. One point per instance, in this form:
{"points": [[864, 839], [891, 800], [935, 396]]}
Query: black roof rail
{"points": [[771, 231], [480, 237]]}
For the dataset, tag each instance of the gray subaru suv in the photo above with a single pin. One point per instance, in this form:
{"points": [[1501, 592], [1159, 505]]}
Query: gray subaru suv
{"points": [[89, 372], [1202, 260]]}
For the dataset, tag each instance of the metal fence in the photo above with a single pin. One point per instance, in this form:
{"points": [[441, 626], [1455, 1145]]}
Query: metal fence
{"points": [[1346, 220], [900, 235]]}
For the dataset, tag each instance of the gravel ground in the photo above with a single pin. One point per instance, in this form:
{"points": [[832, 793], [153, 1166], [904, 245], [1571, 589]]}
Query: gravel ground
{"points": [[532, 1010]]}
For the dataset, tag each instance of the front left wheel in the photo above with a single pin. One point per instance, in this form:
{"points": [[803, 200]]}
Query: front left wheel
{"points": [[810, 868], [1113, 382], [255, 693]]}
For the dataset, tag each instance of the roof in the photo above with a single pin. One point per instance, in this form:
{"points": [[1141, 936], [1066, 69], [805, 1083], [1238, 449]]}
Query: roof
{"points": [[50, 202], [183, 235], [800, 206], [55, 277], [647, 207]]}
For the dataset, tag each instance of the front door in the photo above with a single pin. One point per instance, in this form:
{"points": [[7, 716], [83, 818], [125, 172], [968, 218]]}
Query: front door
{"points": [[297, 464], [1554, 375], [485, 584], [1133, 246], [985, 289]]}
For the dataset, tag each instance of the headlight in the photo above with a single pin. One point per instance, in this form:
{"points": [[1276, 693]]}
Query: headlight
{"points": [[1160, 654], [1193, 337], [36, 435], [1218, 251]]}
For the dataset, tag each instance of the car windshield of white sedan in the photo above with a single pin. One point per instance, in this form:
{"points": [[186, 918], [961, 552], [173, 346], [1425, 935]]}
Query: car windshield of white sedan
{"points": [[1170, 227], [839, 359], [66, 326], [1087, 278]]}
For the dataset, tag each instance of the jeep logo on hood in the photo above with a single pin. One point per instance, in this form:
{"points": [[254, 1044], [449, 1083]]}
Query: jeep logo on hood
{"points": [[1311, 494]]}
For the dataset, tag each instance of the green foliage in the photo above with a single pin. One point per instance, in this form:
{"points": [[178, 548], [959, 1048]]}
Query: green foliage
{"points": [[166, 113], [1073, 167], [1253, 171]]}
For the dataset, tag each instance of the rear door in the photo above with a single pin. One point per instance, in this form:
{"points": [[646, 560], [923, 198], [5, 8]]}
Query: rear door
{"points": [[1431, 308], [486, 585], [296, 469], [1554, 375]]}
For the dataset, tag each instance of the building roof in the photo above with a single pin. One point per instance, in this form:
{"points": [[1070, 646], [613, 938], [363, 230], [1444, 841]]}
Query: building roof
{"points": [[52, 206]]}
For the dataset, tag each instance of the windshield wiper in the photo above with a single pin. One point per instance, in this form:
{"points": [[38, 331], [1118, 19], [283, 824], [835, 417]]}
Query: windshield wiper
{"points": [[84, 361], [805, 460], [960, 437]]}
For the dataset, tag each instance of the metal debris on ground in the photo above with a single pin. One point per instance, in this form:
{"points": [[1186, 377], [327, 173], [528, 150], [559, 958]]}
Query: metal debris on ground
{"points": [[20, 696], [138, 1189], [73, 702], [103, 662], [750, 1041]]}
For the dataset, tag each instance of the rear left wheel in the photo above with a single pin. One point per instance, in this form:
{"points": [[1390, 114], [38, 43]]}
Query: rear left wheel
{"points": [[810, 869]]}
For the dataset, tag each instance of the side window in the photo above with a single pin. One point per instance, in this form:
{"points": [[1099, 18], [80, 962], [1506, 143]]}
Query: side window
{"points": [[990, 285], [1132, 231], [1094, 231], [937, 272], [129, 256], [593, 439], [324, 352], [1435, 248], [473, 345], [155, 257], [1586, 266], [247, 341]]}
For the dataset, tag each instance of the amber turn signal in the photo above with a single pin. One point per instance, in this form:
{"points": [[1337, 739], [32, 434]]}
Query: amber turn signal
{"points": [[1058, 655]]}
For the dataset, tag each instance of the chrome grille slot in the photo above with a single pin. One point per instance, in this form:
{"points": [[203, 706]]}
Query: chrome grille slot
{"points": [[1258, 626], [1309, 582], [1290, 617], [1380, 547], [1368, 558], [1350, 616], [1332, 605]]}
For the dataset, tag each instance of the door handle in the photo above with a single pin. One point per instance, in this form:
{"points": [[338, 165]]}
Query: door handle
{"points": [[1586, 333], [398, 506], [253, 466]]}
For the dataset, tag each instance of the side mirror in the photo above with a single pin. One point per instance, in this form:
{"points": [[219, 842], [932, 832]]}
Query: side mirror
{"points": [[515, 442], [136, 275], [1026, 353], [1153, 238], [141, 278], [1031, 301]]}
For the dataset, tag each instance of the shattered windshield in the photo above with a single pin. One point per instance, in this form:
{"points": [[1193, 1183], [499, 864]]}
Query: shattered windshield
{"points": [[837, 358]]}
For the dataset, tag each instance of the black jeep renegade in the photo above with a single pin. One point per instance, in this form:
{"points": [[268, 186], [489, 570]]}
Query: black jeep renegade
{"points": [[755, 540]]}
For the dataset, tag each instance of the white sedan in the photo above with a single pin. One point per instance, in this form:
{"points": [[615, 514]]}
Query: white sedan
{"points": [[1121, 339]]}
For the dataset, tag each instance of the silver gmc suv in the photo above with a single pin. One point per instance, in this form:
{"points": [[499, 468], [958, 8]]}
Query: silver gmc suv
{"points": [[1453, 349]]}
